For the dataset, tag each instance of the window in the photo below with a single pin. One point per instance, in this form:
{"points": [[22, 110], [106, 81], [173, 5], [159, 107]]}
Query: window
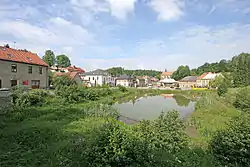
{"points": [[13, 67], [93, 78], [97, 78], [89, 78], [40, 70], [30, 69], [13, 83], [35, 84]]}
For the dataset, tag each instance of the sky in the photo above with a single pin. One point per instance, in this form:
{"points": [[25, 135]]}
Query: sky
{"points": [[134, 34]]}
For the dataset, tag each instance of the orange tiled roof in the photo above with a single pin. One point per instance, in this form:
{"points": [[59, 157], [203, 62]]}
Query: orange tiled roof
{"points": [[20, 56], [167, 73]]}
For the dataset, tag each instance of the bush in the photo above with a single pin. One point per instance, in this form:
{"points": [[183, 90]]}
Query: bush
{"points": [[70, 94], [242, 100], [232, 144], [122, 88], [222, 89], [34, 97], [116, 144]]}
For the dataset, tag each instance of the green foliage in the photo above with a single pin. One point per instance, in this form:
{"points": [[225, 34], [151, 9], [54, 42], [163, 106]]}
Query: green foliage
{"points": [[117, 71], [115, 144], [222, 89], [63, 61], [60, 81], [34, 97], [242, 100], [49, 57], [122, 88], [231, 145], [181, 72], [241, 70], [222, 66]]}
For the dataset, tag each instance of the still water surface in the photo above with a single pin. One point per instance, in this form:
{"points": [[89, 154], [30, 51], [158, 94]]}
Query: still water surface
{"points": [[150, 108]]}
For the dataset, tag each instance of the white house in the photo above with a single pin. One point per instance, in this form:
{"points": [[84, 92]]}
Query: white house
{"points": [[99, 77], [126, 81], [204, 79]]}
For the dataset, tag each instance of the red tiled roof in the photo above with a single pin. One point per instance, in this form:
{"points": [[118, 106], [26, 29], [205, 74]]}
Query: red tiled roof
{"points": [[74, 68], [21, 56], [167, 73]]}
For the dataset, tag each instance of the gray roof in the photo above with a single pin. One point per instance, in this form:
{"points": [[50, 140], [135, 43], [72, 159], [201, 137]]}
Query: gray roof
{"points": [[189, 79], [97, 72], [122, 77]]}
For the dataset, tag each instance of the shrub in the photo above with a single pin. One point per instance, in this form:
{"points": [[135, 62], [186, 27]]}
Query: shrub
{"points": [[232, 144], [70, 94], [165, 133], [116, 144], [122, 88], [34, 97], [222, 89], [242, 100]]}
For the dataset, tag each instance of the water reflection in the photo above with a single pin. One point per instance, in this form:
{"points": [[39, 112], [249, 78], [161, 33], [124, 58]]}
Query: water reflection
{"points": [[151, 107], [181, 100]]}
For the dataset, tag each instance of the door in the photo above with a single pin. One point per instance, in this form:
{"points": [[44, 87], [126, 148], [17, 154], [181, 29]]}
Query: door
{"points": [[35, 84], [13, 83]]}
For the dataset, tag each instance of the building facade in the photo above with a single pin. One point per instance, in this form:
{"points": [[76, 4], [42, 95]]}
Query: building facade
{"points": [[125, 81], [22, 68], [188, 82], [206, 78], [99, 77]]}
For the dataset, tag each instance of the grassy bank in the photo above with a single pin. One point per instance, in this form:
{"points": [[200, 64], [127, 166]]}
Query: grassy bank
{"points": [[211, 114]]}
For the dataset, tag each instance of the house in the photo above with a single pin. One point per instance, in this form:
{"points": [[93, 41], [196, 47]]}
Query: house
{"points": [[140, 82], [99, 77], [21, 67], [166, 74], [167, 82], [126, 81], [204, 79], [188, 82], [72, 75]]}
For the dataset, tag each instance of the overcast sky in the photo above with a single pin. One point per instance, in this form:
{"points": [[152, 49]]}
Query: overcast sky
{"points": [[146, 34]]}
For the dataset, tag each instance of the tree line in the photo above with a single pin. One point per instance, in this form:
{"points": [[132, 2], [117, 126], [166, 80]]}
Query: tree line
{"points": [[59, 60], [236, 70], [118, 71]]}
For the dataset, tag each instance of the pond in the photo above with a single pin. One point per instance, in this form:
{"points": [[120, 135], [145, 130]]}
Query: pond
{"points": [[150, 108]]}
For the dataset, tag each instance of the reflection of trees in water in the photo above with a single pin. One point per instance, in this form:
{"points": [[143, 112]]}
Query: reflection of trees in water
{"points": [[181, 100]]}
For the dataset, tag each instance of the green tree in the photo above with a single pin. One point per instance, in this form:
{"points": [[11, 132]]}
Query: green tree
{"points": [[242, 100], [63, 61], [181, 72], [241, 70], [222, 89], [49, 57]]}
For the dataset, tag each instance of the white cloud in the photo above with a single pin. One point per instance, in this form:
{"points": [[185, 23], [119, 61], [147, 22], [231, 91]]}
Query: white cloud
{"points": [[193, 46], [118, 8], [168, 9], [57, 33], [121, 8]]}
